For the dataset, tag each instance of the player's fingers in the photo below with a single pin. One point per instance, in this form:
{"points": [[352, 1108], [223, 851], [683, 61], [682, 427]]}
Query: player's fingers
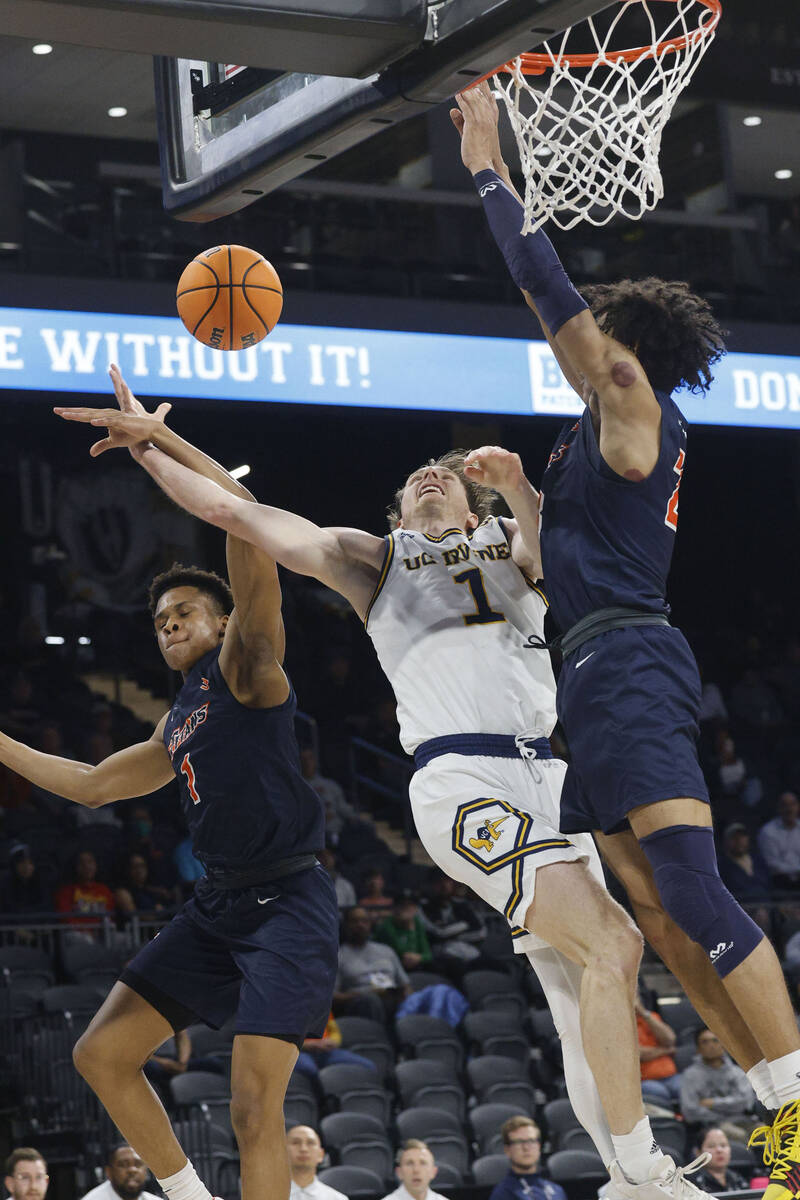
{"points": [[75, 414], [457, 119], [99, 447], [162, 411]]}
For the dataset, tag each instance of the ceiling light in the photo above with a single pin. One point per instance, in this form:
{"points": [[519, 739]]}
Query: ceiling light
{"points": [[84, 641], [784, 173], [240, 472], [42, 48], [118, 111], [54, 641], [751, 121]]}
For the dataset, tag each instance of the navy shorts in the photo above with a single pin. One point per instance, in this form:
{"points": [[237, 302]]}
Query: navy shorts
{"points": [[628, 702], [269, 954]]}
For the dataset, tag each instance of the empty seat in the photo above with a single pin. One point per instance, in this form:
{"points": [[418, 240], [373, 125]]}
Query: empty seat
{"points": [[353, 1181], [338, 1129], [558, 1115], [450, 1148], [429, 1083], [494, 990], [207, 1041], [572, 1166], [504, 1080], [680, 1015], [490, 1169], [486, 1121], [492, 1032], [374, 1154], [369, 1038], [26, 968], [576, 1139], [420, 1122], [92, 956], [670, 1135], [542, 1025], [447, 1176], [72, 997], [430, 1038], [423, 979], [300, 1110], [195, 1086], [356, 1089]]}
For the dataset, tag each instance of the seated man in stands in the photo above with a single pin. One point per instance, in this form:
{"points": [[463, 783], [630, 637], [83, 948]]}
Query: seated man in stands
{"points": [[714, 1091], [371, 979], [136, 893], [779, 843], [26, 1174], [405, 933], [327, 1051], [415, 1168], [522, 1142], [125, 1178], [305, 1154]]}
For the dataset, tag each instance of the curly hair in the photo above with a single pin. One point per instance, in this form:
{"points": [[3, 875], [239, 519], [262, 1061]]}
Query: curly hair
{"points": [[481, 500], [205, 581], [673, 333]]}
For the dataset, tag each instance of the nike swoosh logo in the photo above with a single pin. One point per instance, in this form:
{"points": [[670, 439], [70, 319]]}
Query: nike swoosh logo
{"points": [[267, 900], [583, 660]]}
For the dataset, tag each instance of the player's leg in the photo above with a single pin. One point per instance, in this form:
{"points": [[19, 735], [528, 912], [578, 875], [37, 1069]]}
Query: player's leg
{"points": [[110, 1056], [561, 984], [686, 959], [260, 1070]]}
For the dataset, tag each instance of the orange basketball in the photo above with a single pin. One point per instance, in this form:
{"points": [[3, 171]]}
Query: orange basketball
{"points": [[229, 297]]}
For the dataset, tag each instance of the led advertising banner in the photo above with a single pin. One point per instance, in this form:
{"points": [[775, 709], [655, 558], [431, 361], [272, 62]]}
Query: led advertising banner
{"points": [[50, 351]]}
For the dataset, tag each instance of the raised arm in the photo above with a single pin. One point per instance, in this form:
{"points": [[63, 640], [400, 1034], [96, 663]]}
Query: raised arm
{"points": [[595, 364], [502, 470], [134, 771]]}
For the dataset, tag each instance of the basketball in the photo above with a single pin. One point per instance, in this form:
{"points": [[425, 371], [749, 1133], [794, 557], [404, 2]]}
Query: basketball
{"points": [[229, 297]]}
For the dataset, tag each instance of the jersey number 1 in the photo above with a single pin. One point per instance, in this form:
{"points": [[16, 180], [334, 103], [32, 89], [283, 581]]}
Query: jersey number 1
{"points": [[484, 614], [188, 770], [671, 519]]}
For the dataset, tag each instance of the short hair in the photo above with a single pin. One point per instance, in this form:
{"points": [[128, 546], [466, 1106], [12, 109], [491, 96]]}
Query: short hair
{"points": [[205, 581], [411, 1144], [24, 1154], [482, 500], [673, 332], [520, 1122], [115, 1149]]}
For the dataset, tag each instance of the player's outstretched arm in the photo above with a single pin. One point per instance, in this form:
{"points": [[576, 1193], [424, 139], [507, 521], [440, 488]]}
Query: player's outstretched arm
{"points": [[502, 470], [135, 771], [347, 560]]}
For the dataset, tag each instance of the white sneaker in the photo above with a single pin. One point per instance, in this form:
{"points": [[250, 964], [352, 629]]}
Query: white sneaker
{"points": [[665, 1182]]}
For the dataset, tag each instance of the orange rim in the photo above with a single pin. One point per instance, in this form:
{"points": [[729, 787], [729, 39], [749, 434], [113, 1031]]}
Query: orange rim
{"points": [[537, 64]]}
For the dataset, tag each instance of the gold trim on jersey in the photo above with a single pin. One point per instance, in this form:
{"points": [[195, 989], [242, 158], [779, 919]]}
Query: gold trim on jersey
{"points": [[464, 533], [385, 565], [534, 586]]}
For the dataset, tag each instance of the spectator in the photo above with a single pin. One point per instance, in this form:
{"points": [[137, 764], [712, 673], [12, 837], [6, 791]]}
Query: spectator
{"points": [[337, 809], [660, 1078], [374, 897], [155, 843], [713, 712], [137, 894], [779, 842], [26, 1174], [126, 1176], [23, 891], [415, 1167], [755, 703], [522, 1142], [745, 874], [716, 1175], [713, 1088], [371, 979], [317, 1053], [83, 895], [345, 892], [305, 1154], [734, 782], [452, 926], [405, 933]]}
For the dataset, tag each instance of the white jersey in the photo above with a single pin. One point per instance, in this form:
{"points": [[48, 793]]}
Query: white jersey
{"points": [[452, 620]]}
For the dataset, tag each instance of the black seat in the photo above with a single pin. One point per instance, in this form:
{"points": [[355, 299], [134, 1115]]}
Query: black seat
{"points": [[207, 1041], [339, 1128], [420, 1122], [423, 979], [447, 1176], [353, 1181], [505, 1080], [558, 1115], [374, 1155], [576, 1139], [680, 1015], [486, 1121], [72, 997], [27, 968], [572, 1166], [356, 1089], [450, 1148], [429, 1083], [370, 1038], [79, 957], [671, 1136], [195, 1086], [494, 990], [430, 1038], [490, 1169], [492, 1032], [300, 1110]]}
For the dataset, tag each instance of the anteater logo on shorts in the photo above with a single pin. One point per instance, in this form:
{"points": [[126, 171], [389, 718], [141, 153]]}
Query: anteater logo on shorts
{"points": [[188, 727], [488, 834]]}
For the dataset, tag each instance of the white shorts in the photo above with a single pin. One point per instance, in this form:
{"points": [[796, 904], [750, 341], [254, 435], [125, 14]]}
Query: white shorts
{"points": [[490, 822]]}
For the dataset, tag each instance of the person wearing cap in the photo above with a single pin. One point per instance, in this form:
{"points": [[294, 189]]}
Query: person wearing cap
{"points": [[745, 873]]}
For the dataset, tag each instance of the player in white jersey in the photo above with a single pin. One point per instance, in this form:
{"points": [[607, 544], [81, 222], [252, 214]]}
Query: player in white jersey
{"points": [[454, 613]]}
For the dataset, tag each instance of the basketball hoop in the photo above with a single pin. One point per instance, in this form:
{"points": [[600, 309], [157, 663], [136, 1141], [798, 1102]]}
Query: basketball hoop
{"points": [[589, 137]]}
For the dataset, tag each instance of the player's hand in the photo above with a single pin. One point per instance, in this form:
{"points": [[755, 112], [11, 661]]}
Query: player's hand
{"points": [[494, 467], [125, 429], [476, 118]]}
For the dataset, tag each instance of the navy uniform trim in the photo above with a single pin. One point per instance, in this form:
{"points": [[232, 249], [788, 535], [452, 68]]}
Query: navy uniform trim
{"points": [[446, 533], [388, 555]]}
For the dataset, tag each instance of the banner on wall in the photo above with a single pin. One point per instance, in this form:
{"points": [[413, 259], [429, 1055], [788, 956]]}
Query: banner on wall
{"points": [[57, 351]]}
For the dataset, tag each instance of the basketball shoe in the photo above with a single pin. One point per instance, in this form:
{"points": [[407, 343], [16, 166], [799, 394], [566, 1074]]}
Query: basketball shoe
{"points": [[780, 1146], [666, 1181]]}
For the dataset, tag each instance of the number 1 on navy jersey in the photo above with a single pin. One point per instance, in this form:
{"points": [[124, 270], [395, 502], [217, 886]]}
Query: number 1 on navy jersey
{"points": [[484, 614], [188, 770]]}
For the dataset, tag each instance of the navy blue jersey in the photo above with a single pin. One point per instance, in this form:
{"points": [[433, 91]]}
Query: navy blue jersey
{"points": [[608, 541], [246, 802]]}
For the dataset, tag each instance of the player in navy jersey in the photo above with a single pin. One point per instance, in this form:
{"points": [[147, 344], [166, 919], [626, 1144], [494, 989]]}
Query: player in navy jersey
{"points": [[258, 941], [629, 690]]}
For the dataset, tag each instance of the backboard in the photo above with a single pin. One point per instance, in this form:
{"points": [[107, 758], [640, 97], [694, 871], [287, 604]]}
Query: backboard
{"points": [[229, 134]]}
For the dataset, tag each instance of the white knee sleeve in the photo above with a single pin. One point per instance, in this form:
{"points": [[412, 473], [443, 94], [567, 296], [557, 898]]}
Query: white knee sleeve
{"points": [[561, 984]]}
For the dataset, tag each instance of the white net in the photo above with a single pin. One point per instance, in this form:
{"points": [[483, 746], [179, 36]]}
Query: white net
{"points": [[589, 135]]}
